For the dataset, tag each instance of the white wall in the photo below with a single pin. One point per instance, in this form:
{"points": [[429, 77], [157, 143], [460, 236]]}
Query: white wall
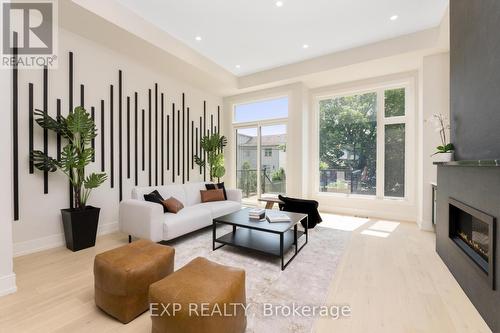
{"points": [[97, 67], [7, 276], [435, 98]]}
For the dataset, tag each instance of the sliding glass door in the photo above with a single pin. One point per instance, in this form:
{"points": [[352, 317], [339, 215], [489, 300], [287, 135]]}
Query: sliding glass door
{"points": [[273, 159], [261, 138], [246, 161], [261, 161]]}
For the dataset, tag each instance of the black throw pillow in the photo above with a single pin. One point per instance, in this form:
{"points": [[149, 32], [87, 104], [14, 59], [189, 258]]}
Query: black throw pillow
{"points": [[219, 186], [155, 197]]}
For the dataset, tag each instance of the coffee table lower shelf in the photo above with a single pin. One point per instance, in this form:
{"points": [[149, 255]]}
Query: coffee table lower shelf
{"points": [[263, 242]]}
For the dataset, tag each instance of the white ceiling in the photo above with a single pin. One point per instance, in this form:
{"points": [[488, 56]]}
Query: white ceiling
{"points": [[258, 35]]}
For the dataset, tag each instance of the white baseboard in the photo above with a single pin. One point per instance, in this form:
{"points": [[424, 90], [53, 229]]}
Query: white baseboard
{"points": [[8, 284], [49, 242]]}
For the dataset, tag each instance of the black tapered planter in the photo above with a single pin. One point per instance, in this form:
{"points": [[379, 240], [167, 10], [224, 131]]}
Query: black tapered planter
{"points": [[80, 227]]}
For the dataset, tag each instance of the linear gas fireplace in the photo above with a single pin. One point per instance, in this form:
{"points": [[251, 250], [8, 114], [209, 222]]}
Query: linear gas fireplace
{"points": [[474, 233]]}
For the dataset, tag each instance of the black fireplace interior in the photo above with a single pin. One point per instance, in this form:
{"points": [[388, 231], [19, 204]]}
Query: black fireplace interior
{"points": [[473, 232]]}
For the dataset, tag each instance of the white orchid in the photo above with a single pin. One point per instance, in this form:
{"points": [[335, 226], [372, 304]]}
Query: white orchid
{"points": [[441, 123]]}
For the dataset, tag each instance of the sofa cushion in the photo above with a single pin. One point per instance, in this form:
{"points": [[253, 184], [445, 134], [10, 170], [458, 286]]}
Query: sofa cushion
{"points": [[220, 186], [172, 205], [219, 208], [156, 198], [212, 195], [187, 220], [192, 191]]}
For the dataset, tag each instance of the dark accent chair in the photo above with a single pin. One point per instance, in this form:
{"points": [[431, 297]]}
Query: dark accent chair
{"points": [[309, 207]]}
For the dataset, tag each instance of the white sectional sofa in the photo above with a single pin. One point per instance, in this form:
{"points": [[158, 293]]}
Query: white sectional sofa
{"points": [[143, 219]]}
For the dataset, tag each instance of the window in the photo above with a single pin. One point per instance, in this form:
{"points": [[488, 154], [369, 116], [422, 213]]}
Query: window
{"points": [[362, 143], [263, 110], [261, 140]]}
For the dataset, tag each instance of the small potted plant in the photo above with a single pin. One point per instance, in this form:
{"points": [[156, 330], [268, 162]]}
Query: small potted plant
{"points": [[213, 145], [80, 223], [445, 151]]}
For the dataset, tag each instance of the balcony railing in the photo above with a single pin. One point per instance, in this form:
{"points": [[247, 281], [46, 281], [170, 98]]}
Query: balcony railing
{"points": [[246, 180], [345, 180]]}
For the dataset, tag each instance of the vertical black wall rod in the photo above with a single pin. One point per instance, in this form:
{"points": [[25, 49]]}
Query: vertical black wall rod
{"points": [[58, 136], [45, 131], [111, 138], [15, 133], [204, 134], [178, 143], [173, 142], [103, 162], [183, 139], [136, 163], [70, 106], [162, 141], [128, 137], [143, 141], [168, 142], [156, 134], [120, 129], [30, 117], [92, 142], [149, 135]]}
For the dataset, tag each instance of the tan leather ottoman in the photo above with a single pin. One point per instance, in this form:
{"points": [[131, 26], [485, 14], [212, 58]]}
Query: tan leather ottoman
{"points": [[199, 285], [122, 277]]}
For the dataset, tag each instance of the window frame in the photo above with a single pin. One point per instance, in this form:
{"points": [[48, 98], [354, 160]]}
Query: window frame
{"points": [[409, 119], [235, 126]]}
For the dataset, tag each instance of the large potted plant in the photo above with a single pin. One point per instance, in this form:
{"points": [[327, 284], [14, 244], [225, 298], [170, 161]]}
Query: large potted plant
{"points": [[213, 146], [80, 223]]}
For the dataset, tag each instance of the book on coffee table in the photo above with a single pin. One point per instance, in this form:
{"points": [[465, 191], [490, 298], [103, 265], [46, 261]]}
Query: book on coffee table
{"points": [[257, 214], [277, 217]]}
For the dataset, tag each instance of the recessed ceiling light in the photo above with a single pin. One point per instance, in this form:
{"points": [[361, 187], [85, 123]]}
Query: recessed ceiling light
{"points": [[279, 3], [237, 66], [394, 17], [198, 38], [305, 46]]}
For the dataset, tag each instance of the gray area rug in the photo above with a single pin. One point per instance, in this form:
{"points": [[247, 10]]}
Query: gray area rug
{"points": [[304, 282]]}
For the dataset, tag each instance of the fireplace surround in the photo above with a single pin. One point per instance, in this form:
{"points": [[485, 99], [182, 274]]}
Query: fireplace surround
{"points": [[470, 190]]}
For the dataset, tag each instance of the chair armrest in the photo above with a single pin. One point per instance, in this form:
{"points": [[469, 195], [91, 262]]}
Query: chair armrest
{"points": [[234, 194], [142, 219]]}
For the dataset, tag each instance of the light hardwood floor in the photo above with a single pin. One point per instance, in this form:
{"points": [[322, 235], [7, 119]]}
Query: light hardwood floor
{"points": [[393, 284]]}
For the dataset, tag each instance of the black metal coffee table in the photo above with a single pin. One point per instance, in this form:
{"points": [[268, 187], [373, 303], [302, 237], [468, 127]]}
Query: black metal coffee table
{"points": [[261, 236]]}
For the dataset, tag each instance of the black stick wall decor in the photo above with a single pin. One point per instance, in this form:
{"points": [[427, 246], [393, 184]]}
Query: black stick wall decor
{"points": [[30, 120], [120, 129], [58, 136], [149, 135], [136, 167], [162, 142], [143, 141], [70, 106], [183, 138], [45, 131], [103, 160], [111, 139], [15, 134], [92, 142], [178, 131], [128, 137], [156, 134]]}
